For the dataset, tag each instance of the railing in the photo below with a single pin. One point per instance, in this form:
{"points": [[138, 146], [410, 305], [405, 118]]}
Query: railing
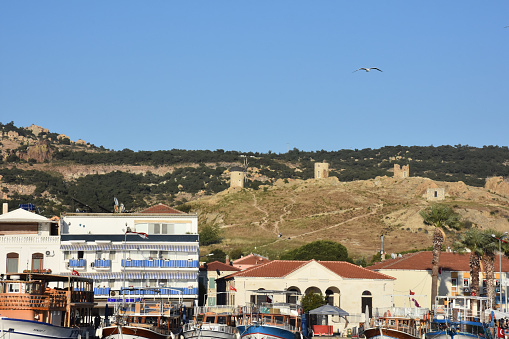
{"points": [[227, 309], [222, 328], [101, 290], [23, 301], [160, 291], [401, 312], [77, 263], [29, 239], [164, 263], [102, 263]]}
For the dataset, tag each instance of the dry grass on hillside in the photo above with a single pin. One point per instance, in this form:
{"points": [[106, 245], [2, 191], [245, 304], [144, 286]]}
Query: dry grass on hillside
{"points": [[354, 214]]}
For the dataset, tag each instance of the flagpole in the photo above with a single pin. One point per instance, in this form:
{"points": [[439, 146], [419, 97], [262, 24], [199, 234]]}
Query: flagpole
{"points": [[123, 271]]}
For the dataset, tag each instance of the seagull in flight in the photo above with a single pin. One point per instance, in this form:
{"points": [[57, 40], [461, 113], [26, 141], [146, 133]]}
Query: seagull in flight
{"points": [[368, 69]]}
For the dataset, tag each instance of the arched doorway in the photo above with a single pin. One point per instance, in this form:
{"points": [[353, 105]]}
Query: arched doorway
{"points": [[333, 296], [367, 302], [293, 298]]}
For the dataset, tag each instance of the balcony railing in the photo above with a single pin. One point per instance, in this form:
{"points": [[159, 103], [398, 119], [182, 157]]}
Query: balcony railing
{"points": [[160, 263], [79, 263], [160, 291], [29, 239], [101, 263], [101, 290]]}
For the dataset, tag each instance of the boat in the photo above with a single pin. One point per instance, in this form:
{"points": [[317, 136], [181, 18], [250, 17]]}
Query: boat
{"points": [[150, 317], [267, 320], [212, 322], [397, 323], [46, 306], [462, 317]]}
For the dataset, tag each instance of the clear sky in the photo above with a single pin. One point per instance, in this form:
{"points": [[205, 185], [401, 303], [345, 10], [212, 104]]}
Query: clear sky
{"points": [[258, 75]]}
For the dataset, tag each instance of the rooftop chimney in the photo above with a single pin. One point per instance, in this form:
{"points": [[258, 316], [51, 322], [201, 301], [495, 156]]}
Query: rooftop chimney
{"points": [[5, 208], [227, 259]]}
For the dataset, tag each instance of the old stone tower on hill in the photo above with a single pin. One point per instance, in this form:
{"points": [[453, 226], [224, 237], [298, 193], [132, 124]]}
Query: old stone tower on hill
{"points": [[401, 171], [321, 170]]}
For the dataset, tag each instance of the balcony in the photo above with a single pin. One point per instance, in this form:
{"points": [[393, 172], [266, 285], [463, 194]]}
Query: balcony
{"points": [[29, 239], [100, 264], [162, 263], [77, 263], [101, 291]]}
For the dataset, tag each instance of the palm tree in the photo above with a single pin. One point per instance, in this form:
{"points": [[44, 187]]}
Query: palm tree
{"points": [[442, 217], [489, 248], [473, 240]]}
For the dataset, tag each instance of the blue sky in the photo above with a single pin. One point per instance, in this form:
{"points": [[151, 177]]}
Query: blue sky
{"points": [[258, 75]]}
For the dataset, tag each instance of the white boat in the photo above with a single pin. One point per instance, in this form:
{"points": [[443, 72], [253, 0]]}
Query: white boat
{"points": [[45, 306], [145, 318], [212, 322]]}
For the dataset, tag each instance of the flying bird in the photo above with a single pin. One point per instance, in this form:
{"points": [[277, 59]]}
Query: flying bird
{"points": [[368, 69]]}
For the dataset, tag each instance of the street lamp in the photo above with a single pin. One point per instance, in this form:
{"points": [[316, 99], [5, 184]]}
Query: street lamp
{"points": [[505, 235]]}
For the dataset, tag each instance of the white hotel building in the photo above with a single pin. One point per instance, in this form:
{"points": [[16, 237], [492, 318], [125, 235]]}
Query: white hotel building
{"points": [[96, 245]]}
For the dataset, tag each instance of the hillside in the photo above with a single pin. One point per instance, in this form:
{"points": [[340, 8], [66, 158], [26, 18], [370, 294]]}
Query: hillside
{"points": [[358, 202], [352, 213]]}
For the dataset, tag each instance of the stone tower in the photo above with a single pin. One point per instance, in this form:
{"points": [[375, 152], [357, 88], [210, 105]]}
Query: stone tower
{"points": [[435, 194], [401, 171], [321, 170], [237, 176]]}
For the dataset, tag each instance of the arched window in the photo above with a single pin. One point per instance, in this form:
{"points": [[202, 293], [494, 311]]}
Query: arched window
{"points": [[367, 302], [37, 261], [12, 262], [293, 298]]}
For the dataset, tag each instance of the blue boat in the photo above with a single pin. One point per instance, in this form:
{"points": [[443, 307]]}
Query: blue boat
{"points": [[269, 320], [462, 317]]}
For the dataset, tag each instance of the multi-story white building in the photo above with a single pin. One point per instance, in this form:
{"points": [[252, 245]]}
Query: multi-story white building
{"points": [[107, 248], [28, 242]]}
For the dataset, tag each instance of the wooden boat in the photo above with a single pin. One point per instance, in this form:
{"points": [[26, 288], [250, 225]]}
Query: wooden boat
{"points": [[139, 318], [270, 320], [46, 306], [397, 323], [212, 322]]}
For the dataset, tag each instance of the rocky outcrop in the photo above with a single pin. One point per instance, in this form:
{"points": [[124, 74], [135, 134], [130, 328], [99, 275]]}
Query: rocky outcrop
{"points": [[497, 185], [39, 152]]}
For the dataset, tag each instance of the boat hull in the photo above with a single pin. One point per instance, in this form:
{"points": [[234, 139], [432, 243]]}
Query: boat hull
{"points": [[131, 332], [374, 333], [12, 328], [211, 332], [256, 331]]}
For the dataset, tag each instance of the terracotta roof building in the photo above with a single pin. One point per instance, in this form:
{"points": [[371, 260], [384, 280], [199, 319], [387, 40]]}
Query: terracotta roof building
{"points": [[351, 287], [413, 273], [250, 261], [208, 275]]}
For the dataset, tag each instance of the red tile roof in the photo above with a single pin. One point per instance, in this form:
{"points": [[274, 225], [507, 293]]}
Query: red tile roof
{"points": [[282, 268], [251, 259], [422, 261], [162, 209], [217, 265]]}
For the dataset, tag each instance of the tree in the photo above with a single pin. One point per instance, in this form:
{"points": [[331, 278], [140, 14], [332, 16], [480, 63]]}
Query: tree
{"points": [[489, 249], [210, 234], [319, 250], [216, 255], [474, 240], [312, 300], [442, 217]]}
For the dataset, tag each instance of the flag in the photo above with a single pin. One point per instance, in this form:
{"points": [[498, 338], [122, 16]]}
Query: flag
{"points": [[416, 303], [140, 234], [74, 272], [233, 288], [412, 293], [501, 333]]}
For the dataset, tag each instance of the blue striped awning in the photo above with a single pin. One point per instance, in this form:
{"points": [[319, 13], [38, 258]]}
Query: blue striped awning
{"points": [[141, 275], [122, 247]]}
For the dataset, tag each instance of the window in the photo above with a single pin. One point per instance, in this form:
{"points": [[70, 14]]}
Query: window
{"points": [[80, 254], [212, 283], [37, 261], [13, 288], [12, 262], [153, 254], [454, 282], [67, 255], [112, 255], [466, 282]]}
